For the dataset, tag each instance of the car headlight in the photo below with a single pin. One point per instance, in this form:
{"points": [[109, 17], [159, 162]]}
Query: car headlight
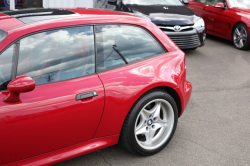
{"points": [[199, 24]]}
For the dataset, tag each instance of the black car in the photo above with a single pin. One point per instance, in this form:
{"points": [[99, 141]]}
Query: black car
{"points": [[179, 22]]}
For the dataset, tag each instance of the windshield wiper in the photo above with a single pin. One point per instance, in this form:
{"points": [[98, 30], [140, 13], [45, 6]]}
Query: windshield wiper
{"points": [[120, 54]]}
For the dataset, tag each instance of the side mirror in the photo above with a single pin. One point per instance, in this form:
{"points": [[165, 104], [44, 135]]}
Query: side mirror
{"points": [[112, 2], [19, 85], [219, 5], [185, 2]]}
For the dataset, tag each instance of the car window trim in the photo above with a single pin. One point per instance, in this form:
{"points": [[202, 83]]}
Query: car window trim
{"points": [[15, 65], [14, 60], [95, 44]]}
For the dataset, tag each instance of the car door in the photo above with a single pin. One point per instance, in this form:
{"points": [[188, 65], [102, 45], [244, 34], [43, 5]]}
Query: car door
{"points": [[217, 19], [66, 105]]}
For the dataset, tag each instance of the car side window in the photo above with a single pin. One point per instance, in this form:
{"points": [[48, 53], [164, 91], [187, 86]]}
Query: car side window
{"points": [[119, 45], [201, 1], [57, 55], [6, 59], [213, 2]]}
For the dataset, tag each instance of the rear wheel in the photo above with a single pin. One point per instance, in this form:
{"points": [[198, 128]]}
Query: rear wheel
{"points": [[241, 37], [150, 124]]}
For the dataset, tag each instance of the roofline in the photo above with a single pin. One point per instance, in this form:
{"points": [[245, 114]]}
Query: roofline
{"points": [[75, 18], [79, 13], [27, 29]]}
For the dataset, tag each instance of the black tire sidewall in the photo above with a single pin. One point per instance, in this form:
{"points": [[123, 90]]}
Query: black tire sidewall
{"points": [[247, 43], [133, 116]]}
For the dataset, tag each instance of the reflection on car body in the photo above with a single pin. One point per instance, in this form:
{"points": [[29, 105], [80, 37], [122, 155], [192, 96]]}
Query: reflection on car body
{"points": [[167, 15], [71, 85]]}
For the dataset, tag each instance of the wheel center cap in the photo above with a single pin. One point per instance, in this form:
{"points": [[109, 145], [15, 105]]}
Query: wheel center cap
{"points": [[150, 122]]}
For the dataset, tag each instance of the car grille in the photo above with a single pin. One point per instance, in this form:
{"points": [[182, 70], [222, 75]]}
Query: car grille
{"points": [[186, 41], [171, 28]]}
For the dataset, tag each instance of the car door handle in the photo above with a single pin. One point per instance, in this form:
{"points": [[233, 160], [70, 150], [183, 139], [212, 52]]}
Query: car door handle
{"points": [[86, 95]]}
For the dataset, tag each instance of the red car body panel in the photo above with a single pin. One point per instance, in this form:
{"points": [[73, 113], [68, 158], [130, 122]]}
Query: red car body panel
{"points": [[47, 118], [7, 22], [38, 129], [68, 152], [133, 81], [221, 22]]}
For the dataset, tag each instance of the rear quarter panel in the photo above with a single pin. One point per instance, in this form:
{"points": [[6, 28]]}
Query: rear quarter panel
{"points": [[125, 85]]}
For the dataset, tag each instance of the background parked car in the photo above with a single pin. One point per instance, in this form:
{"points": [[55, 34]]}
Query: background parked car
{"points": [[78, 80], [180, 23], [228, 19]]}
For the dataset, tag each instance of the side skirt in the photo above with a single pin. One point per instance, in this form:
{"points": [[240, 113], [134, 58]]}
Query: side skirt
{"points": [[69, 152]]}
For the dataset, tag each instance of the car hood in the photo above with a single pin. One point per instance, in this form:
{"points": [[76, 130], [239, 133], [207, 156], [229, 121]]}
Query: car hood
{"points": [[166, 15]]}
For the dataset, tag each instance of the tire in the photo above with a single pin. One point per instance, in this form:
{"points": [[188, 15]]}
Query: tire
{"points": [[145, 131], [241, 37]]}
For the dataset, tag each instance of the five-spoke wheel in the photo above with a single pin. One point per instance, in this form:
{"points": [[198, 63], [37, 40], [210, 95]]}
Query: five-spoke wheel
{"points": [[154, 124], [150, 124], [241, 37]]}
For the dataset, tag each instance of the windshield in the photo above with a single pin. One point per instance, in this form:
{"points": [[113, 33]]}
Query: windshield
{"points": [[153, 2], [243, 4], [3, 35]]}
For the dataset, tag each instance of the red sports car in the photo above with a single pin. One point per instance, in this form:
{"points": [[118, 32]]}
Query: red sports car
{"points": [[229, 19], [73, 81]]}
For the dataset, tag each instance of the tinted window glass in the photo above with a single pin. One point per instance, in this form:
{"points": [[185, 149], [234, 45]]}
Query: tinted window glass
{"points": [[118, 45], [5, 67], [213, 2], [201, 1], [57, 55]]}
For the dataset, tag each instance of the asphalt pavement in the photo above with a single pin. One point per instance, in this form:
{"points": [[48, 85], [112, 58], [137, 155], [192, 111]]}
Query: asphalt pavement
{"points": [[215, 127]]}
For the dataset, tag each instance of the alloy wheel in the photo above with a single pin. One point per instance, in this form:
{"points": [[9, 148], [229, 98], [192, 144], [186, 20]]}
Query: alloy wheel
{"points": [[154, 124], [240, 37]]}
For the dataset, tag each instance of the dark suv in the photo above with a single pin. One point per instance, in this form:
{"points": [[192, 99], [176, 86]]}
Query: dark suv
{"points": [[179, 22]]}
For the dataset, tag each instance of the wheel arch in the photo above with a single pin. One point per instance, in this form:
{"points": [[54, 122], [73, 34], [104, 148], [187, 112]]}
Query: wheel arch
{"points": [[239, 22], [247, 45], [170, 91]]}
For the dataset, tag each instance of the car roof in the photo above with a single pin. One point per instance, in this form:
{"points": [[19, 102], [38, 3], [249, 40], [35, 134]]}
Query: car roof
{"points": [[13, 19]]}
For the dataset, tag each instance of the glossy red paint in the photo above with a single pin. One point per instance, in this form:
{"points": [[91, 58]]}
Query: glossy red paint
{"points": [[68, 152], [221, 22], [7, 22], [133, 81], [19, 85], [48, 125], [49, 118]]}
